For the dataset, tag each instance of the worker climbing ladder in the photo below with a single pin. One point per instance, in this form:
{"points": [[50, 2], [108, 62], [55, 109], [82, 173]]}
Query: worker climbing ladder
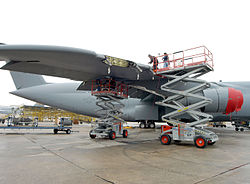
{"points": [[184, 67], [109, 94]]}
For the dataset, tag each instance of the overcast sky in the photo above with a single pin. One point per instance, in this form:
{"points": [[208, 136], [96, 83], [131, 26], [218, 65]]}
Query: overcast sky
{"points": [[131, 30]]}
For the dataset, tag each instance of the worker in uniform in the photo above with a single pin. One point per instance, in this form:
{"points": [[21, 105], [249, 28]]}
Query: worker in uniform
{"points": [[98, 83], [165, 60], [153, 60]]}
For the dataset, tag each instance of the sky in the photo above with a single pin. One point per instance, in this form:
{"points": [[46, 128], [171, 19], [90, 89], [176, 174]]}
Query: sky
{"points": [[131, 30]]}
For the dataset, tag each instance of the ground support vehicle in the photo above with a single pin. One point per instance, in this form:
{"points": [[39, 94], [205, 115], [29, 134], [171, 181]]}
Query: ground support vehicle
{"points": [[200, 137]]}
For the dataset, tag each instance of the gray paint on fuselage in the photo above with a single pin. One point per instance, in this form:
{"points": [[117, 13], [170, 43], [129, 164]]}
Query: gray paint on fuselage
{"points": [[244, 113], [65, 96]]}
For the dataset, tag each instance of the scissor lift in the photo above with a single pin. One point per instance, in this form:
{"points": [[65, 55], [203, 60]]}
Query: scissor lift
{"points": [[185, 66], [109, 94]]}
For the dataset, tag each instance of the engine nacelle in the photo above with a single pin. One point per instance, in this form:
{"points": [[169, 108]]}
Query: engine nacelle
{"points": [[224, 100]]}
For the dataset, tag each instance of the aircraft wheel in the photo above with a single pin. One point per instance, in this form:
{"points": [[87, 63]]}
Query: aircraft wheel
{"points": [[125, 134], [55, 131], [68, 131], [236, 129], [91, 136], [151, 125], [142, 125], [165, 139], [112, 135], [200, 142], [241, 129]]}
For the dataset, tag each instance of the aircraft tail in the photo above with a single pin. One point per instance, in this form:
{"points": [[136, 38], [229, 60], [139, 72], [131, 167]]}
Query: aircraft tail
{"points": [[25, 80]]}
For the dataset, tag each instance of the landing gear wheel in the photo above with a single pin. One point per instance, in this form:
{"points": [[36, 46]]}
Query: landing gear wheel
{"points": [[210, 143], [151, 125], [68, 131], [241, 129], [55, 131], [165, 139], [142, 125], [236, 129], [112, 135], [91, 136], [200, 142], [125, 134]]}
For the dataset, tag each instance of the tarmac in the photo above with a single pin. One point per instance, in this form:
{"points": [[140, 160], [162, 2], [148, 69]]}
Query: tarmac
{"points": [[39, 156]]}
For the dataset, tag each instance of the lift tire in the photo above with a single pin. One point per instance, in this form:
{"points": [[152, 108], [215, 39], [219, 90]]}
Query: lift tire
{"points": [[92, 136], [142, 125], [200, 142], [112, 135], [55, 131], [68, 131], [151, 125], [165, 139], [125, 134], [210, 143], [241, 129], [236, 129]]}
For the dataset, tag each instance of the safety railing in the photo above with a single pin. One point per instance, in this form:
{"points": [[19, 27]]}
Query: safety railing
{"points": [[109, 86], [185, 58]]}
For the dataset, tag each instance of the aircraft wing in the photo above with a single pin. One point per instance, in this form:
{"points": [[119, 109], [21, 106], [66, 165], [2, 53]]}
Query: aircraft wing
{"points": [[72, 63]]}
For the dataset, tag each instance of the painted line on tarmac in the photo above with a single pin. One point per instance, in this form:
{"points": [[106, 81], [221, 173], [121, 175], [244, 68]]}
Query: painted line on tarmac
{"points": [[69, 161], [224, 172]]}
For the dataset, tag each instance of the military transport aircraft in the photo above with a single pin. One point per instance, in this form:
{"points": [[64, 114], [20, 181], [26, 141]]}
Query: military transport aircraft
{"points": [[126, 90]]}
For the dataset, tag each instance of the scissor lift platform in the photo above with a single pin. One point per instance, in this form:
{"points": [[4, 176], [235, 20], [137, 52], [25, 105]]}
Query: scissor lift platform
{"points": [[184, 61], [185, 69], [185, 66], [109, 94]]}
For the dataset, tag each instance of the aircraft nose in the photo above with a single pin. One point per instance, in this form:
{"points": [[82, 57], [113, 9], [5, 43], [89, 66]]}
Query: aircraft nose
{"points": [[235, 100]]}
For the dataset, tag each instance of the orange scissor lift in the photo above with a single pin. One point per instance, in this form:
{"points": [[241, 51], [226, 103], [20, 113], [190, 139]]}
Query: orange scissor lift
{"points": [[109, 94], [185, 66]]}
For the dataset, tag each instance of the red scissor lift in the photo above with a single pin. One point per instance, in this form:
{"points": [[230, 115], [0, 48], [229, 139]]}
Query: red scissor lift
{"points": [[184, 60], [185, 66], [109, 94], [107, 87]]}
